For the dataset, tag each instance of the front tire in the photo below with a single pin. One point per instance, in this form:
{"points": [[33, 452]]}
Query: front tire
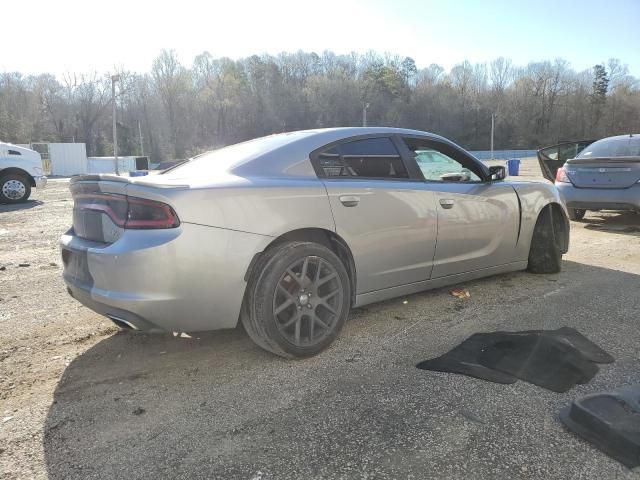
{"points": [[545, 255], [297, 300], [14, 188], [576, 214]]}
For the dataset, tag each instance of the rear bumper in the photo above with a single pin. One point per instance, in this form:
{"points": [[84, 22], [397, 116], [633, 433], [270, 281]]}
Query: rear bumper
{"points": [[40, 181], [184, 279], [600, 198]]}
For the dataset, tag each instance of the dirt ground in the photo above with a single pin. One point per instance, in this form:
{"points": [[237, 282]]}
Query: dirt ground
{"points": [[80, 400]]}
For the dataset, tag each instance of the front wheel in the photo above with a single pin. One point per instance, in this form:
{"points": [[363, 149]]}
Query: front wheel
{"points": [[14, 188], [297, 300], [576, 213]]}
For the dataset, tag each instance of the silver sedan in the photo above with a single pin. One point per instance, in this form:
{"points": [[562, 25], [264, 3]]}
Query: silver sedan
{"points": [[286, 233]]}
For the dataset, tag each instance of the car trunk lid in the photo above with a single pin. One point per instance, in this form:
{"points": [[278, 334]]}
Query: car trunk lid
{"points": [[600, 172]]}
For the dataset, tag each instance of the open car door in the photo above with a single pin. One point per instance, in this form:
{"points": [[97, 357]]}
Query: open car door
{"points": [[553, 157]]}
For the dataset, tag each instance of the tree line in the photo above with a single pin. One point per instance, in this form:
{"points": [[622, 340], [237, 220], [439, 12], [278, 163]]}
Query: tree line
{"points": [[175, 111]]}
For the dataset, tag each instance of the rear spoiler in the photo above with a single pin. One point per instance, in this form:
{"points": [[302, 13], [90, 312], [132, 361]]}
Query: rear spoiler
{"points": [[106, 177], [583, 161], [109, 177]]}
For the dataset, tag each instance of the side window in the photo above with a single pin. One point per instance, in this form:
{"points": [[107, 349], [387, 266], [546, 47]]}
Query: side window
{"points": [[550, 152], [565, 152], [331, 164], [367, 158], [437, 165], [582, 146], [14, 152]]}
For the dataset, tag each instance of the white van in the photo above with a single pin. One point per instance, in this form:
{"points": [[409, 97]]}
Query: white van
{"points": [[20, 170]]}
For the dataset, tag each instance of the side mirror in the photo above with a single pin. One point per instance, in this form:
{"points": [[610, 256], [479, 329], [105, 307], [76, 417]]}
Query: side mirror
{"points": [[497, 172]]}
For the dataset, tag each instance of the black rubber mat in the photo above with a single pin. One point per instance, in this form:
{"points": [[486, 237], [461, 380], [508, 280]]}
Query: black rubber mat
{"points": [[570, 335], [610, 421], [543, 360], [552, 359], [463, 359]]}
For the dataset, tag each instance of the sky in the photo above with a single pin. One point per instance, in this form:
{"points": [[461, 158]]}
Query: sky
{"points": [[59, 36]]}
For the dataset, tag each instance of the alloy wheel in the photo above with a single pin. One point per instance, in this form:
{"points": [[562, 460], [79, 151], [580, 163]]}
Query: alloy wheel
{"points": [[308, 301]]}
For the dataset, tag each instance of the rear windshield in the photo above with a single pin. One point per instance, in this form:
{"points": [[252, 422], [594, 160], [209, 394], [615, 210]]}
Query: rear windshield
{"points": [[613, 147], [228, 157]]}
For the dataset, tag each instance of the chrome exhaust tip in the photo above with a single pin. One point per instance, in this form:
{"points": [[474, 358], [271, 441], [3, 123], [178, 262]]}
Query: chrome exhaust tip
{"points": [[122, 323]]}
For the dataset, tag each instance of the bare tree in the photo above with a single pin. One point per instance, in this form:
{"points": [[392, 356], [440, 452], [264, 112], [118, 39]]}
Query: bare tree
{"points": [[172, 83], [181, 111], [501, 74]]}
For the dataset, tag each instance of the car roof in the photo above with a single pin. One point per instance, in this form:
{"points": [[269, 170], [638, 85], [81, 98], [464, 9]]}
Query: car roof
{"points": [[279, 155], [296, 147], [322, 136], [620, 137]]}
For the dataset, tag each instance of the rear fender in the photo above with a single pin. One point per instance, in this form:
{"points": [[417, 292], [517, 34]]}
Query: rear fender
{"points": [[259, 206]]}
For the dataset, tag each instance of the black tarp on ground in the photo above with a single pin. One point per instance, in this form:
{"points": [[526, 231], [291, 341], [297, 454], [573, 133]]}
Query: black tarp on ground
{"points": [[552, 359], [610, 421]]}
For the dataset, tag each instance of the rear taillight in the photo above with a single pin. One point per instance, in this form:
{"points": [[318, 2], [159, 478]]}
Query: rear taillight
{"points": [[145, 213], [129, 212], [561, 176]]}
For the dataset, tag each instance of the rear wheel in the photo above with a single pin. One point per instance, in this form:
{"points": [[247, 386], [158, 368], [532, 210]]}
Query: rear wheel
{"points": [[576, 213], [545, 255], [14, 188], [297, 299]]}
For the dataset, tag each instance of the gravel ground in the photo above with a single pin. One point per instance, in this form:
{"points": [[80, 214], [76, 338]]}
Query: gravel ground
{"points": [[79, 400]]}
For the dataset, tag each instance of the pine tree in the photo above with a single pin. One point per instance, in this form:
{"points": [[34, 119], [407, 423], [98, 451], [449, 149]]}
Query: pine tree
{"points": [[598, 94], [600, 83]]}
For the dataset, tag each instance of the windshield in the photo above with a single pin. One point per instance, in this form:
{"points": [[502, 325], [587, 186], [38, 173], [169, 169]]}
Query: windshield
{"points": [[613, 147], [227, 157]]}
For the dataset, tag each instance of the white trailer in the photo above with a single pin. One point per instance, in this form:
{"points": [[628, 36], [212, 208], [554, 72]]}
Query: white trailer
{"points": [[107, 164], [67, 159]]}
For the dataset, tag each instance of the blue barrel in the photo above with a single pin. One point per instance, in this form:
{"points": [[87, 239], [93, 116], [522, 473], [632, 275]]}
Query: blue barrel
{"points": [[513, 167], [138, 173]]}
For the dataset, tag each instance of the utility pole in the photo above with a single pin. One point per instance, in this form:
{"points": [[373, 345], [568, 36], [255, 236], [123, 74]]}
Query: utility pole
{"points": [[141, 144], [114, 79], [492, 129], [365, 106]]}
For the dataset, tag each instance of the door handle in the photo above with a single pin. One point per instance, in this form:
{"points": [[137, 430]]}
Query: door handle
{"points": [[446, 203], [349, 200]]}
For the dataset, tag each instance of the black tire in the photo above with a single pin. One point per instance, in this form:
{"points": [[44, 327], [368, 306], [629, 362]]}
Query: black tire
{"points": [[545, 255], [576, 214], [14, 188], [271, 283]]}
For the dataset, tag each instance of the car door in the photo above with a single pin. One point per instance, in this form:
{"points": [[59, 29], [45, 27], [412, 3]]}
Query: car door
{"points": [[478, 219], [383, 212], [553, 157]]}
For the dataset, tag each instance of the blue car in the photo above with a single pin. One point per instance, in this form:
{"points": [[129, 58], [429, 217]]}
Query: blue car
{"points": [[602, 175]]}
